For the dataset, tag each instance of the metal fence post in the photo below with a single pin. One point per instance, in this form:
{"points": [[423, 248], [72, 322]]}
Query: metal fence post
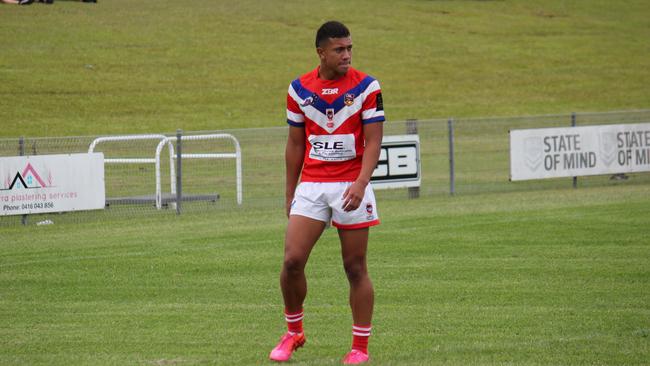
{"points": [[412, 129], [452, 163], [21, 150], [179, 175], [573, 124]]}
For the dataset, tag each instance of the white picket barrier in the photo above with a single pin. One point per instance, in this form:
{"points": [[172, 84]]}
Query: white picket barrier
{"points": [[155, 160], [168, 141], [236, 155]]}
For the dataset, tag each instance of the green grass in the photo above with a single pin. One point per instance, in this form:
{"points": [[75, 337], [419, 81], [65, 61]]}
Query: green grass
{"points": [[121, 66], [508, 277], [535, 278]]}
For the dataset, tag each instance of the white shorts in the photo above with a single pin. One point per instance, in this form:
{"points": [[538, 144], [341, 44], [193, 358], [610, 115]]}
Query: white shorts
{"points": [[324, 202]]}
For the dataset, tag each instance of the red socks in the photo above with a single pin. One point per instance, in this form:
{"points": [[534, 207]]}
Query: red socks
{"points": [[360, 335], [294, 321]]}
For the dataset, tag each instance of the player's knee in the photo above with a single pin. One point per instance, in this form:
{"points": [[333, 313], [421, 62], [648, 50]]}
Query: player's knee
{"points": [[293, 266], [355, 269]]}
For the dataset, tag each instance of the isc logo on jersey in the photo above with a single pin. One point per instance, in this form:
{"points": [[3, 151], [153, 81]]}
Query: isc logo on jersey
{"points": [[331, 91]]}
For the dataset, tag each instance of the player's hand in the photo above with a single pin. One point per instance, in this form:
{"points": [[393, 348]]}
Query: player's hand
{"points": [[353, 196]]}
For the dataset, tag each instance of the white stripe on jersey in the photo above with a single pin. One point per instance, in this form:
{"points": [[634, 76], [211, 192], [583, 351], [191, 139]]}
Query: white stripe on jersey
{"points": [[339, 118], [371, 113], [295, 96], [342, 115], [373, 87], [296, 117]]}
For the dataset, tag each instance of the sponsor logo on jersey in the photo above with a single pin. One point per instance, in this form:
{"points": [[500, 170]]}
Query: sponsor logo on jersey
{"points": [[329, 91], [348, 99], [332, 147], [380, 102], [310, 100]]}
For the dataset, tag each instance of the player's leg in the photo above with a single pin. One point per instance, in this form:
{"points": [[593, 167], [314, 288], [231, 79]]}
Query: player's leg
{"points": [[353, 231], [302, 234], [353, 227], [354, 244]]}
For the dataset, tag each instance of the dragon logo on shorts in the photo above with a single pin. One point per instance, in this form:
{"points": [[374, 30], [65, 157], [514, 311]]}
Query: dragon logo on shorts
{"points": [[369, 211]]}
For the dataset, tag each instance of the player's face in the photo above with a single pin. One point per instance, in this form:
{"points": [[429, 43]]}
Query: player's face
{"points": [[336, 55]]}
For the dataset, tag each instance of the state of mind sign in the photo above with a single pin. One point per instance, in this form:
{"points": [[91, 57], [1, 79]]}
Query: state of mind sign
{"points": [[577, 151]]}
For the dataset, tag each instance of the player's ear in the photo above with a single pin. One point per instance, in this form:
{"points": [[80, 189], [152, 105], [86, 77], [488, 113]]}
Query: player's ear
{"points": [[321, 53]]}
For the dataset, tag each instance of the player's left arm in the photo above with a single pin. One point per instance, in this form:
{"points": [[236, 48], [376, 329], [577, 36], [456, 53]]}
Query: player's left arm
{"points": [[373, 133]]}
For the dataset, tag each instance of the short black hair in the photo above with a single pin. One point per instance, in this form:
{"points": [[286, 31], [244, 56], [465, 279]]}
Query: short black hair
{"points": [[331, 29]]}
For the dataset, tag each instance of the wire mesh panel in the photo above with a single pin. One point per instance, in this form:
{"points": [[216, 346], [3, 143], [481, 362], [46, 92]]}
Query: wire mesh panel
{"points": [[482, 151], [263, 165], [434, 158], [133, 175]]}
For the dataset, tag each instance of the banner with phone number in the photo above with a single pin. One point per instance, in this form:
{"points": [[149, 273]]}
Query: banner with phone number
{"points": [[51, 183]]}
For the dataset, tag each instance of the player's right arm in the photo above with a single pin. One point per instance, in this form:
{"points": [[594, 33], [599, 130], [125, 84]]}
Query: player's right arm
{"points": [[294, 157], [296, 144]]}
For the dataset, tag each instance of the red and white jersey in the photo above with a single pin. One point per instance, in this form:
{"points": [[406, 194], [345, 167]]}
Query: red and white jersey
{"points": [[333, 113]]}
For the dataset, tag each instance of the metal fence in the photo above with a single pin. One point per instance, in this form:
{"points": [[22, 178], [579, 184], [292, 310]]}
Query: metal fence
{"points": [[477, 155]]}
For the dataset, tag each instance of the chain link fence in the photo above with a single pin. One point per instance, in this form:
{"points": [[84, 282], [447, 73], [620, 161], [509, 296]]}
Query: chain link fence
{"points": [[133, 176]]}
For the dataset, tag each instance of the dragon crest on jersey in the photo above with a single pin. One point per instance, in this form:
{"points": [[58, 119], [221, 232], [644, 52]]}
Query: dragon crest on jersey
{"points": [[330, 117]]}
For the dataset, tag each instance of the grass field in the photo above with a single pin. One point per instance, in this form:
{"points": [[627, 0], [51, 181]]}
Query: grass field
{"points": [[502, 274], [122, 66], [537, 278]]}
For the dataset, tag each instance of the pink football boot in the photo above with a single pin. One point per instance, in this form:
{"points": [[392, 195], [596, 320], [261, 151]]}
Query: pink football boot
{"points": [[288, 343], [355, 357]]}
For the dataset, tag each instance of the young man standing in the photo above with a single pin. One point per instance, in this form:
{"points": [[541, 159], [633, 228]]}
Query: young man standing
{"points": [[335, 116]]}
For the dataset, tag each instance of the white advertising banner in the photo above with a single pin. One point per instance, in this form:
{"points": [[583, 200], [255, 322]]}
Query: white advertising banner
{"points": [[399, 163], [576, 151], [51, 183]]}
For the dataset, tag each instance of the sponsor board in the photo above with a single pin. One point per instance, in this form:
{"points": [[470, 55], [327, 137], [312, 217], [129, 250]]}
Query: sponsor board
{"points": [[577, 151], [51, 183], [399, 163]]}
